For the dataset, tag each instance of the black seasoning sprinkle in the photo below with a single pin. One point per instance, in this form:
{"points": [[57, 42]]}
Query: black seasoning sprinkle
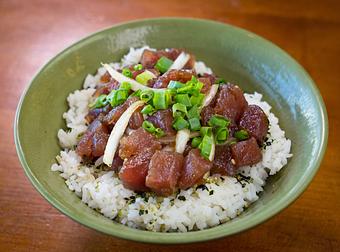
{"points": [[132, 200], [211, 192], [203, 187], [126, 198], [222, 178], [141, 212], [182, 198]]}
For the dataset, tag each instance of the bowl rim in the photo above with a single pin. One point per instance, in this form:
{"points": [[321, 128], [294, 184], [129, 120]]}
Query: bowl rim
{"points": [[195, 236]]}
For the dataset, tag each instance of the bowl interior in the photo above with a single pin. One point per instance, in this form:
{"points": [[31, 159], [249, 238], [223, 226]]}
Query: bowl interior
{"points": [[237, 55]]}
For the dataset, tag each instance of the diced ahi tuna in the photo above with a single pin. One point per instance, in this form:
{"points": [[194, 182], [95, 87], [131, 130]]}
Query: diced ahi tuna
{"points": [[106, 88], [112, 117], [94, 113], [163, 119], [255, 121], [195, 166], [94, 141], [222, 161], [207, 80], [164, 170], [136, 119], [246, 152], [135, 169], [106, 77], [206, 113], [175, 75], [136, 142], [117, 163], [230, 102], [149, 58]]}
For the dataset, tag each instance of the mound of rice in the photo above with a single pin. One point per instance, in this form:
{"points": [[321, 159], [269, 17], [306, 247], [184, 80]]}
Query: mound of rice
{"points": [[219, 200]]}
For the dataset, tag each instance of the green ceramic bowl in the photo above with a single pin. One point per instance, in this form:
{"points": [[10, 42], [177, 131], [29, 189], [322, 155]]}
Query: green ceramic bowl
{"points": [[237, 55]]}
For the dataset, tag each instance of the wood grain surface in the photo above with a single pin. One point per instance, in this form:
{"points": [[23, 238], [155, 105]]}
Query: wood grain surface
{"points": [[31, 32]]}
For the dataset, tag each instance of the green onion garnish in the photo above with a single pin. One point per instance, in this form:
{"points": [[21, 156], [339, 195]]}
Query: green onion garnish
{"points": [[194, 112], [175, 84], [159, 132], [100, 101], [221, 135], [144, 77], [183, 99], [178, 109], [146, 95], [126, 72], [163, 64], [121, 96], [206, 131], [241, 135], [138, 67], [117, 97], [197, 100], [149, 127], [192, 87], [180, 123], [196, 142], [206, 146], [195, 124], [218, 121], [148, 110], [161, 99], [125, 85]]}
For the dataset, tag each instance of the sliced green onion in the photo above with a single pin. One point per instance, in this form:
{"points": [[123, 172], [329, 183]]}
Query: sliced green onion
{"points": [[187, 89], [196, 142], [146, 95], [149, 127], [178, 109], [241, 135], [126, 72], [195, 124], [159, 132], [220, 81], [144, 77], [138, 67], [100, 101], [120, 97], [163, 64], [194, 112], [183, 99], [218, 121], [221, 135], [206, 131], [175, 84], [117, 97], [161, 99], [206, 146], [148, 110], [125, 85], [197, 100], [180, 123]]}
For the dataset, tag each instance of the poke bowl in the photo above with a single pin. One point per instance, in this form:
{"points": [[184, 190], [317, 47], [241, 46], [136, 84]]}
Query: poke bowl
{"points": [[155, 131]]}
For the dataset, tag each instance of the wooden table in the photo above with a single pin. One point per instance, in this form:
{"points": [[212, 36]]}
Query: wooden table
{"points": [[31, 32]]}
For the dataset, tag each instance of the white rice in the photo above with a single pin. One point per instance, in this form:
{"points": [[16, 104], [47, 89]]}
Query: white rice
{"points": [[194, 209]]}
